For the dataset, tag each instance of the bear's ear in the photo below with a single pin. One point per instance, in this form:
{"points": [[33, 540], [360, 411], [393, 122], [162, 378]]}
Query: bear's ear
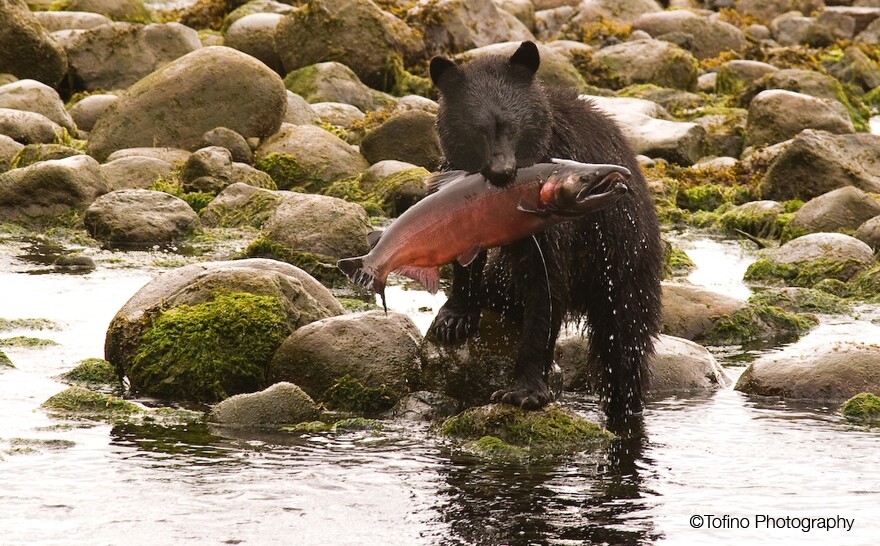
{"points": [[527, 56], [444, 72]]}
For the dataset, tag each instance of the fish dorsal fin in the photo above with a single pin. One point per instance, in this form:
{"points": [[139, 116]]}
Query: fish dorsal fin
{"points": [[465, 258], [374, 236], [429, 277], [438, 181]]}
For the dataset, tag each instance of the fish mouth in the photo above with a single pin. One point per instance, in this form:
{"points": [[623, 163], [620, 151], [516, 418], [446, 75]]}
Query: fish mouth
{"points": [[610, 186]]}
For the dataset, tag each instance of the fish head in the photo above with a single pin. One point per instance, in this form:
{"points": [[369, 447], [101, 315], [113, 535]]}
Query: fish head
{"points": [[580, 188]]}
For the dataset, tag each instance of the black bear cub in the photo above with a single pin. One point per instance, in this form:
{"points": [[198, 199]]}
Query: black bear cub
{"points": [[604, 270]]}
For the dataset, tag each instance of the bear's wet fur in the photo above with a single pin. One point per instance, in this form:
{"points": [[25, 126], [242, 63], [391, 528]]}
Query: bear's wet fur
{"points": [[604, 269]]}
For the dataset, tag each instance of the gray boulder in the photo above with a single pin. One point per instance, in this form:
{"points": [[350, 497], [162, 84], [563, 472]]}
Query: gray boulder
{"points": [[241, 205], [869, 232], [338, 113], [256, 6], [677, 365], [174, 156], [816, 162], [792, 28], [331, 82], [706, 36], [174, 106], [34, 153], [28, 127], [232, 141], [618, 11], [254, 34], [308, 157], [87, 111], [327, 227], [139, 218], [455, 26], [54, 21], [9, 148], [282, 403], [724, 132], [409, 136], [838, 23], [378, 350], [133, 11], [845, 208], [808, 82], [766, 10], [135, 172], [27, 50], [871, 34], [833, 255], [298, 298], [690, 311], [776, 115], [136, 51], [829, 372], [356, 31], [298, 111], [50, 189], [211, 169], [648, 61], [855, 67], [33, 96], [737, 74]]}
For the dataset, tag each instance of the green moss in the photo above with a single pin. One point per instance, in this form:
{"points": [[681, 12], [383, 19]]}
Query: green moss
{"points": [[357, 423], [308, 427], [350, 190], [92, 371], [866, 285], [323, 268], [601, 30], [85, 403], [676, 262], [288, 173], [758, 322], [210, 351], [490, 447], [354, 305], [759, 224], [801, 300], [804, 274], [399, 191], [350, 395], [26, 342], [198, 200], [710, 197], [551, 430], [27, 324], [834, 287], [863, 408], [406, 83]]}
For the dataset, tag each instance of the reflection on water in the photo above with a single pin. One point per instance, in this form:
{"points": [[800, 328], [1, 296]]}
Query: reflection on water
{"points": [[722, 454]]}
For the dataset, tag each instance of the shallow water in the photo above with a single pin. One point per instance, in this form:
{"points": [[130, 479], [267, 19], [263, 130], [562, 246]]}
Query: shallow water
{"points": [[711, 454]]}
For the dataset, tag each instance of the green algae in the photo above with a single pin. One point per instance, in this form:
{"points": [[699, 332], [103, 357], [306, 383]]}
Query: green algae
{"points": [[92, 371], [288, 173], [351, 395], [321, 267], [801, 300], [552, 430], [863, 408], [758, 322], [26, 342], [27, 324], [209, 351], [804, 274], [82, 402]]}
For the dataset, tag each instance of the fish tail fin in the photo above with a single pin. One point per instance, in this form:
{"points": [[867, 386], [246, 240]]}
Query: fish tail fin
{"points": [[357, 273]]}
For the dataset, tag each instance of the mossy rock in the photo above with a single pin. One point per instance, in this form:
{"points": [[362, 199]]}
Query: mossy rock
{"points": [[34, 153], [676, 262], [709, 197], [84, 403], [350, 395], [26, 342], [863, 408], [552, 430], [28, 324], [4, 361], [351, 190], [209, 351], [804, 274], [758, 218], [801, 300], [321, 267], [759, 323], [92, 372], [866, 285]]}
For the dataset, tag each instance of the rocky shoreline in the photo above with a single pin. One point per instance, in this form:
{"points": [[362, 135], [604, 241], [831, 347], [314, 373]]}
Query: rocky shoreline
{"points": [[294, 127]]}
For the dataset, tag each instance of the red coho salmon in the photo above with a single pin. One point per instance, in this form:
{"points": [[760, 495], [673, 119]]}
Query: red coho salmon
{"points": [[467, 214]]}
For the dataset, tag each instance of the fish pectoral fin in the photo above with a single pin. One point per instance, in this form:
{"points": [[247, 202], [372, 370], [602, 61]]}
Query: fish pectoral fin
{"points": [[374, 236], [429, 277], [543, 213], [438, 181], [466, 258]]}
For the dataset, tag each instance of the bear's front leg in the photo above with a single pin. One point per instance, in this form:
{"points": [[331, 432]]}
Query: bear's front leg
{"points": [[541, 322], [459, 318]]}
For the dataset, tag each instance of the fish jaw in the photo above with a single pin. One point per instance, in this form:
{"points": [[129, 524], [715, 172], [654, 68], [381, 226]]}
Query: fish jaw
{"points": [[582, 191]]}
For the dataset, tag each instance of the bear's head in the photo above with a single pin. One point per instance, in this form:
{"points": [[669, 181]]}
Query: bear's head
{"points": [[494, 114]]}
